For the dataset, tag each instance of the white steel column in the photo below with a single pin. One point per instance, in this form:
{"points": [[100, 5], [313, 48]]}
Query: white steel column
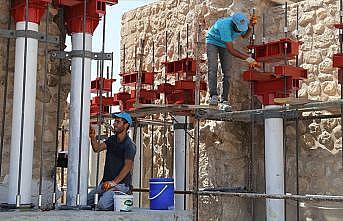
{"points": [[137, 173], [180, 167], [29, 116], [274, 163], [75, 113]]}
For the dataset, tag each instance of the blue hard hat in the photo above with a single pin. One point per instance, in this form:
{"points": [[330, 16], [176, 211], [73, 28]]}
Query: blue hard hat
{"points": [[241, 21], [123, 115]]}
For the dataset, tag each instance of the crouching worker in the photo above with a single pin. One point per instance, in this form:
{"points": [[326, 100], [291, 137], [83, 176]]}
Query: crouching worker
{"points": [[118, 165]]}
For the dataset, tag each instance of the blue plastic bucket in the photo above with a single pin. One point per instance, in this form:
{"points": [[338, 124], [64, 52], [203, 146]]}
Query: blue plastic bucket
{"points": [[161, 194]]}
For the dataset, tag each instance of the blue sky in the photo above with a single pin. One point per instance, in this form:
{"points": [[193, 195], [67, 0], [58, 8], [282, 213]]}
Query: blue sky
{"points": [[112, 39]]}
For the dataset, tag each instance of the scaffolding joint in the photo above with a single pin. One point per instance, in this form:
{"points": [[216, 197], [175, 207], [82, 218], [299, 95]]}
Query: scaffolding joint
{"points": [[42, 37]]}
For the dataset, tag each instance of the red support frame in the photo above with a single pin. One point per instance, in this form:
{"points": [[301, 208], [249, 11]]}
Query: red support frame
{"points": [[275, 51], [185, 65], [130, 79], [290, 71], [36, 10], [106, 101], [106, 85], [253, 75]]}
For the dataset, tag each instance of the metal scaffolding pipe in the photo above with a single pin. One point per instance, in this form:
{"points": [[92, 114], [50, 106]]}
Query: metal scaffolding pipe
{"points": [[180, 162], [28, 111], [75, 107], [137, 167], [274, 158], [308, 197]]}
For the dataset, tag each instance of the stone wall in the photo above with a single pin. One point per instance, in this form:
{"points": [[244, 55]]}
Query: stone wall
{"points": [[47, 97]]}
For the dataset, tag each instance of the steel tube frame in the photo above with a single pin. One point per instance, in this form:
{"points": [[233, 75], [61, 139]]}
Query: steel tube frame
{"points": [[24, 101], [77, 193]]}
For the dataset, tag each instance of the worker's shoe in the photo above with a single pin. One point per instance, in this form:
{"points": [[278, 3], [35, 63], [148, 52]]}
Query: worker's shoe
{"points": [[213, 101], [225, 106]]}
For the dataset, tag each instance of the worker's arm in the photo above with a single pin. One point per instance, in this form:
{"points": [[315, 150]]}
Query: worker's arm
{"points": [[128, 165], [234, 52], [248, 33], [97, 146]]}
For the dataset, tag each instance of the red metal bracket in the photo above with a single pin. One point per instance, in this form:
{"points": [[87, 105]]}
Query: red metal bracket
{"points": [[145, 95], [339, 26], [95, 110], [189, 85], [130, 79], [181, 97], [290, 71], [266, 91], [36, 10], [185, 65], [337, 60], [165, 88], [253, 75], [106, 85], [106, 101], [122, 96], [73, 14], [285, 48]]}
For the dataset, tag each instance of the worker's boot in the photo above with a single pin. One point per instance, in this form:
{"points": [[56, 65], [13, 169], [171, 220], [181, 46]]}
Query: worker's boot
{"points": [[225, 106], [213, 101]]}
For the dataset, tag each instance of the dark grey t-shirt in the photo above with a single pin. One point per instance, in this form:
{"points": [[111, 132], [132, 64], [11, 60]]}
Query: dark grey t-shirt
{"points": [[117, 153]]}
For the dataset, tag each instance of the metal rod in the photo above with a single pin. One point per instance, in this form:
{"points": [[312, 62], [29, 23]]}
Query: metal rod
{"points": [[23, 104], [185, 171], [5, 87], [140, 74], [62, 168], [341, 69], [165, 115], [43, 107], [246, 113], [307, 197], [252, 127], [140, 164], [297, 147], [152, 116], [197, 128], [81, 97]]}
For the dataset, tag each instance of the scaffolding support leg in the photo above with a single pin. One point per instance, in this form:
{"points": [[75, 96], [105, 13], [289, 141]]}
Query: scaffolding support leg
{"points": [[75, 107], [274, 158], [25, 174]]}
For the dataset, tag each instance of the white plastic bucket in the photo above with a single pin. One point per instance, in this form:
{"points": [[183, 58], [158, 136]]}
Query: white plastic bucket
{"points": [[122, 203]]}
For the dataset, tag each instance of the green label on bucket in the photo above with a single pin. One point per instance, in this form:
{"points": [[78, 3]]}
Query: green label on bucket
{"points": [[128, 203]]}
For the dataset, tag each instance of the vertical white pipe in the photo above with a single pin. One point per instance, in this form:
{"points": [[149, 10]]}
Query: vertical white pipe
{"points": [[137, 173], [75, 111], [179, 161], [274, 163], [29, 116]]}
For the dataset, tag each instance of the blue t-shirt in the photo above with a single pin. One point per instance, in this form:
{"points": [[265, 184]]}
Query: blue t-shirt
{"points": [[221, 32], [117, 153]]}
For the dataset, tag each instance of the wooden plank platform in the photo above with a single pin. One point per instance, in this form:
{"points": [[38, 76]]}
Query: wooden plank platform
{"points": [[293, 100]]}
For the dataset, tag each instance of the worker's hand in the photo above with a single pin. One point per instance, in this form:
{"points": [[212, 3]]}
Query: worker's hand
{"points": [[108, 185], [252, 62], [253, 20], [92, 133]]}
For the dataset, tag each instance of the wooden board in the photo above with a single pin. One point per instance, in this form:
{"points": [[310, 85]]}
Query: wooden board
{"points": [[293, 101]]}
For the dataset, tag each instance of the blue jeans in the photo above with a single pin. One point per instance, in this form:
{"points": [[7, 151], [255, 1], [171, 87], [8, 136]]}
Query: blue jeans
{"points": [[225, 62], [106, 198]]}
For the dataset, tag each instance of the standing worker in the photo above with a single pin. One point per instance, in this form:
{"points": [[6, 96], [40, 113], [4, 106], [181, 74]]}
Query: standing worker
{"points": [[219, 41], [118, 167]]}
